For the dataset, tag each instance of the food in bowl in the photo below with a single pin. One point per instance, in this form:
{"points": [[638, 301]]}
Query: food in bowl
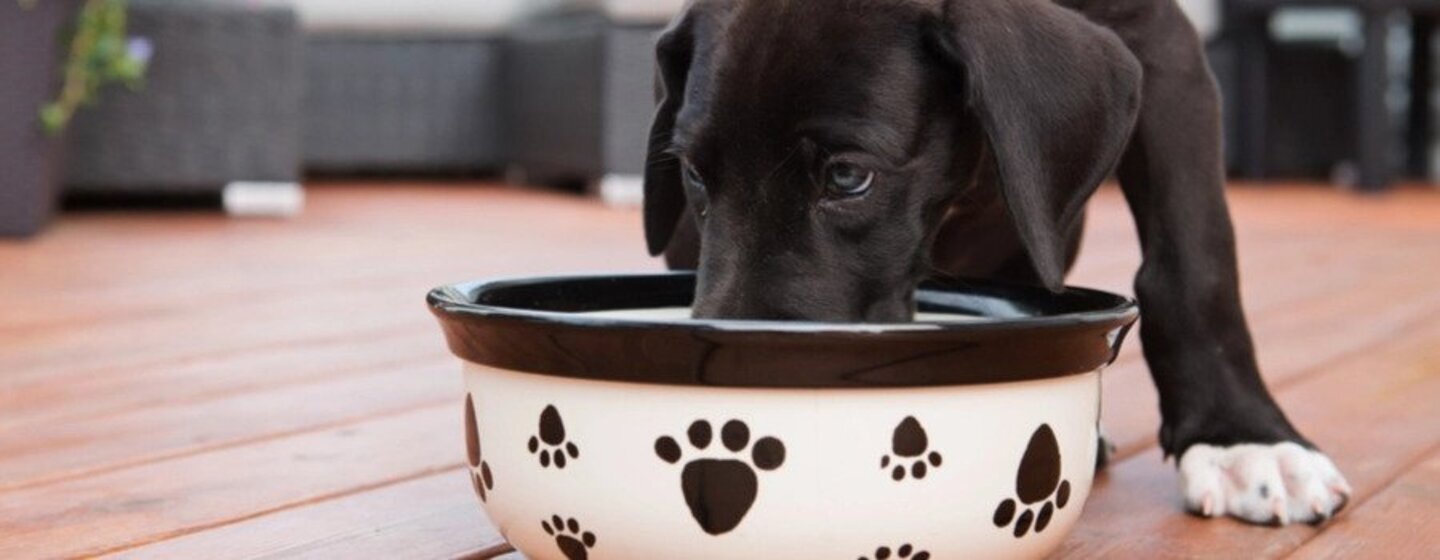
{"points": [[601, 422]]}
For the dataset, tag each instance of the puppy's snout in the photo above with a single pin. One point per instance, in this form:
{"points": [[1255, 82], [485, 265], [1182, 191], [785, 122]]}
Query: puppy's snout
{"points": [[725, 295], [721, 295]]}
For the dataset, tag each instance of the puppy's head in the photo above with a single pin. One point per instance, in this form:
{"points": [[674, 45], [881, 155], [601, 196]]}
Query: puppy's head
{"points": [[817, 144]]}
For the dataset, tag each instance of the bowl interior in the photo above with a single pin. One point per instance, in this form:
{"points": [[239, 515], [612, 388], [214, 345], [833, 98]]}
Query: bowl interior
{"points": [[683, 314]]}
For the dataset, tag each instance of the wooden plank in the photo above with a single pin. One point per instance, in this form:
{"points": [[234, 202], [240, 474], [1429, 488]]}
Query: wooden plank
{"points": [[99, 262], [1298, 207], [144, 342], [47, 453], [75, 399], [148, 503], [1373, 413], [138, 338], [47, 309], [436, 516], [1398, 522]]}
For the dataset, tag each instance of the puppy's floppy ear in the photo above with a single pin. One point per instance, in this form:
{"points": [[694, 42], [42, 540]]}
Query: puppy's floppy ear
{"points": [[1057, 97], [664, 189]]}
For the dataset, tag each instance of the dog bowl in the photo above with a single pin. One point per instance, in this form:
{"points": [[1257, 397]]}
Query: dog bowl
{"points": [[601, 423]]}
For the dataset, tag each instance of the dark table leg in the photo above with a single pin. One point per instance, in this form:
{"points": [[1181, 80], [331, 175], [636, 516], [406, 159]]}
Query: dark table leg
{"points": [[1420, 129], [1252, 37], [1374, 125]]}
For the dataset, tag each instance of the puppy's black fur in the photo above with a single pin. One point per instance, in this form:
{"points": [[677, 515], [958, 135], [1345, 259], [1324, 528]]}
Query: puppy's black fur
{"points": [[988, 124]]}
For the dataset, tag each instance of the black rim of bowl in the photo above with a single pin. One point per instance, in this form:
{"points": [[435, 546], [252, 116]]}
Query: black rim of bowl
{"points": [[541, 325]]}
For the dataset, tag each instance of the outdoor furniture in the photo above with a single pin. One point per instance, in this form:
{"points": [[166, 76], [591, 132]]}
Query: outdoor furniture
{"points": [[403, 86], [401, 103], [220, 104], [30, 59], [580, 83], [1374, 129]]}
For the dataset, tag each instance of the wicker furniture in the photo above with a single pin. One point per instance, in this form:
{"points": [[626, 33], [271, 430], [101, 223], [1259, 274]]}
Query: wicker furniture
{"points": [[29, 57], [580, 96], [404, 87], [220, 104], [401, 103], [1375, 133]]}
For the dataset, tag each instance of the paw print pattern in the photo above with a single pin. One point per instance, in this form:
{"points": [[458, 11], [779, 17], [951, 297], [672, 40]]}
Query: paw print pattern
{"points": [[909, 445], [905, 552], [1037, 481], [480, 476], [572, 542], [550, 444], [721, 491]]}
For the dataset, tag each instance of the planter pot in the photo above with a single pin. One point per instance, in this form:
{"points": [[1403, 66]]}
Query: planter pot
{"points": [[31, 49]]}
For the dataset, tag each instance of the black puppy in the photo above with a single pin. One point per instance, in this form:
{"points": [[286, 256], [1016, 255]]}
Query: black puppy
{"points": [[816, 159]]}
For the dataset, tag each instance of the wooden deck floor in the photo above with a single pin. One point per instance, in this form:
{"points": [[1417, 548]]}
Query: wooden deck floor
{"points": [[183, 385]]}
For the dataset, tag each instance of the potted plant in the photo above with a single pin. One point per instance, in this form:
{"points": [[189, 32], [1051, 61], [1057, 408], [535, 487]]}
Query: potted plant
{"points": [[55, 55]]}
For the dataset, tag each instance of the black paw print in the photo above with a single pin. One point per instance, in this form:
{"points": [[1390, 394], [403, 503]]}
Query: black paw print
{"points": [[573, 543], [1037, 481], [721, 491], [909, 443], [552, 436], [480, 476], [905, 552]]}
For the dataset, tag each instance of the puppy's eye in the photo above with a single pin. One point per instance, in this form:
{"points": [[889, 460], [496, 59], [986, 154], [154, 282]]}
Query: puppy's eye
{"points": [[844, 179], [692, 176], [699, 197]]}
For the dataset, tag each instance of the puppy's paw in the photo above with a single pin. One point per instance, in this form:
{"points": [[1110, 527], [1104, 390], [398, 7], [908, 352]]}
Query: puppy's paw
{"points": [[1262, 483]]}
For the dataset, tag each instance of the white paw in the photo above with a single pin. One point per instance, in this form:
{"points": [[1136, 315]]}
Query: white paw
{"points": [[1271, 483]]}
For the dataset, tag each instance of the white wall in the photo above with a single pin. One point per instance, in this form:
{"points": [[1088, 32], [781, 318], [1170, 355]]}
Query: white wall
{"points": [[1205, 14], [489, 15], [409, 15]]}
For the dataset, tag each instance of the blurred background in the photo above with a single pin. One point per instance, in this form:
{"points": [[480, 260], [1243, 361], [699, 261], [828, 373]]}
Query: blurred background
{"points": [[155, 102], [219, 218]]}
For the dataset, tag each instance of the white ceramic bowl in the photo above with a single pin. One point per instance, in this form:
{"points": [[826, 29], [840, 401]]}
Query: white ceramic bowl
{"points": [[591, 435]]}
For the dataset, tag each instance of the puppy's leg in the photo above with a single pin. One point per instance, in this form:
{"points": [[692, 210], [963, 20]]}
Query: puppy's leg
{"points": [[1239, 455]]}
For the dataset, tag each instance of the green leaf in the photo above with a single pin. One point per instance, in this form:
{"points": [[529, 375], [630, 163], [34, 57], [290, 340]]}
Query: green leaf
{"points": [[53, 118]]}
